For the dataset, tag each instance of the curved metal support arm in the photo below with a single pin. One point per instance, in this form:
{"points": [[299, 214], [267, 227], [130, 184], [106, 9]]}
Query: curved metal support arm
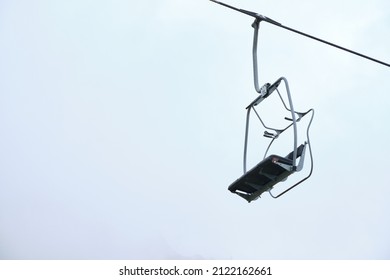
{"points": [[293, 117], [311, 160], [255, 25]]}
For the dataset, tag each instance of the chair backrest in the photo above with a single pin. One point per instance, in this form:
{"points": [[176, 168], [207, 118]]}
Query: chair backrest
{"points": [[299, 152]]}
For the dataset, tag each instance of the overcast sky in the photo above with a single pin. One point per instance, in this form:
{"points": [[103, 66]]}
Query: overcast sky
{"points": [[122, 125]]}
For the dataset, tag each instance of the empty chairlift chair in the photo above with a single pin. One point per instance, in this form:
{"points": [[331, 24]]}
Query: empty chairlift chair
{"points": [[273, 168]]}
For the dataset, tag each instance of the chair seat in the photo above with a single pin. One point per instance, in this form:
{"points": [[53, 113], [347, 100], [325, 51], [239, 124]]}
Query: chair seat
{"points": [[262, 177]]}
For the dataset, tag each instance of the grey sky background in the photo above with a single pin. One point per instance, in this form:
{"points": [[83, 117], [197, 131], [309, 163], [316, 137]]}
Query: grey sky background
{"points": [[122, 125]]}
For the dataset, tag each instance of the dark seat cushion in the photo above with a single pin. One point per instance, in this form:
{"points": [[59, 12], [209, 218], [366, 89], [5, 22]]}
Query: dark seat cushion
{"points": [[264, 175]]}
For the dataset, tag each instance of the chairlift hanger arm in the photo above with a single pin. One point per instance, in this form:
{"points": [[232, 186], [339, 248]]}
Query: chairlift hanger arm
{"points": [[266, 19], [255, 25]]}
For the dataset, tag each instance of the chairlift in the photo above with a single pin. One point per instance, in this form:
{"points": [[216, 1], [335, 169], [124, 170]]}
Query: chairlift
{"points": [[274, 169]]}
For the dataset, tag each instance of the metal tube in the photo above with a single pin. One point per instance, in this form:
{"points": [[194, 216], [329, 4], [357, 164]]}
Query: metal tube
{"points": [[255, 25], [246, 137], [311, 161], [294, 121]]}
